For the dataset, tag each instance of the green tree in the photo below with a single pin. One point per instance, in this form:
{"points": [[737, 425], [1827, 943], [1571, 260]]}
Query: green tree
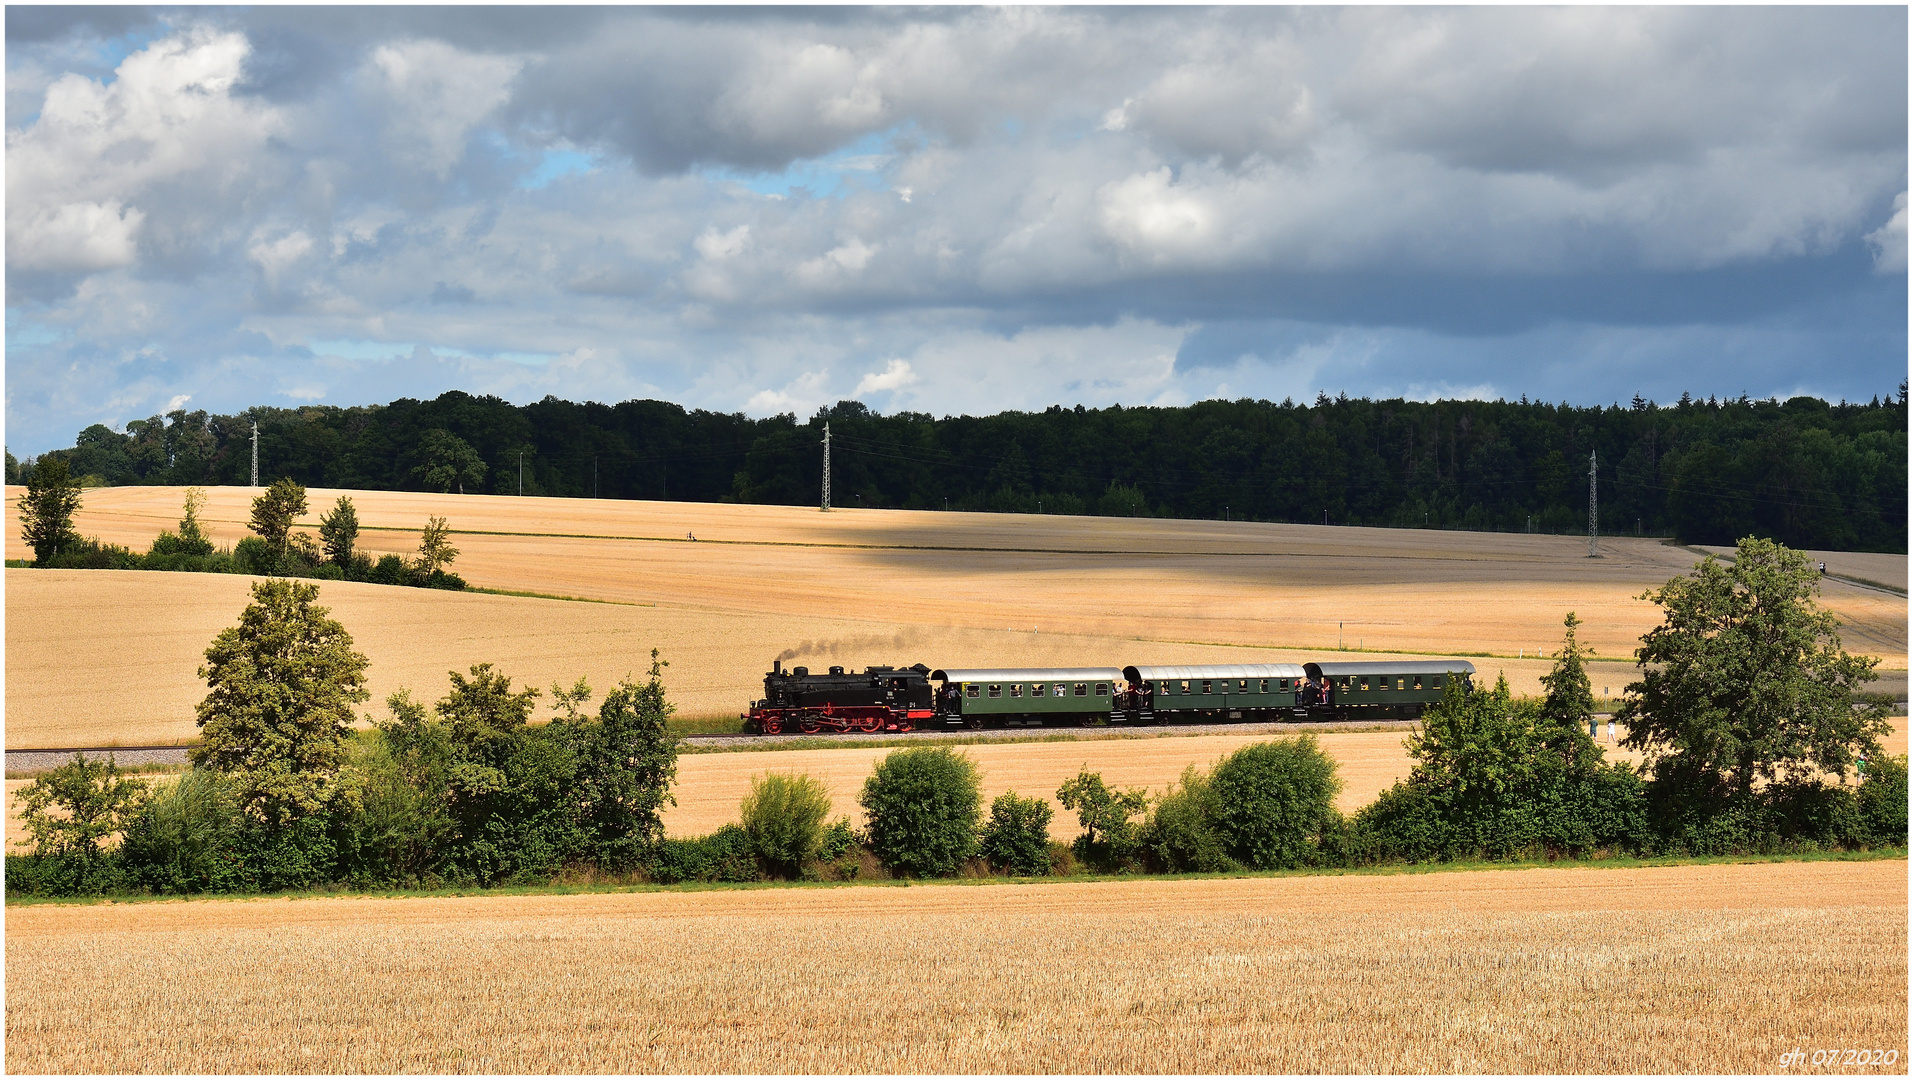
{"points": [[1180, 834], [72, 809], [1570, 699], [435, 550], [1016, 837], [1109, 837], [282, 686], [446, 461], [921, 807], [192, 535], [1496, 777], [784, 813], [47, 509], [274, 512], [626, 769], [339, 531], [1276, 799], [1744, 681]]}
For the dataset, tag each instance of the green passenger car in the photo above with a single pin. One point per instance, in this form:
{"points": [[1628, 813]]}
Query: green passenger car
{"points": [[994, 697], [1214, 692], [1400, 689]]}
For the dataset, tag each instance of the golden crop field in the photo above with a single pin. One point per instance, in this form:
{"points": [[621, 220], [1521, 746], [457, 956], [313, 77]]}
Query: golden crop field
{"points": [[855, 587], [1669, 969], [710, 786]]}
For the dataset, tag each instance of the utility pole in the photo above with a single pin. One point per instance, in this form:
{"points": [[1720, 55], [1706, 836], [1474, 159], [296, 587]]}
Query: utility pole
{"points": [[255, 453], [1594, 517], [826, 467]]}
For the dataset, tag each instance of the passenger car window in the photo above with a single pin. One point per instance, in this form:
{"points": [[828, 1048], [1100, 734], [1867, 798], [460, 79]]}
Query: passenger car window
{"points": [[996, 690], [1082, 689], [1102, 689], [973, 689], [1016, 689]]}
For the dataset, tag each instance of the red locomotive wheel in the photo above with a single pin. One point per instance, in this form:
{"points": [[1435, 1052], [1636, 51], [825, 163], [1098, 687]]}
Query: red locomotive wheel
{"points": [[808, 725], [773, 725], [871, 723]]}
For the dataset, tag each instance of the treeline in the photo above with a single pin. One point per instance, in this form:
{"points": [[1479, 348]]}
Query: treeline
{"points": [[52, 498], [1804, 472], [468, 791]]}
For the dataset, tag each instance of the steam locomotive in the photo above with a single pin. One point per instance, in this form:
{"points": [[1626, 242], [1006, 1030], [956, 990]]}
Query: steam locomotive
{"points": [[897, 699]]}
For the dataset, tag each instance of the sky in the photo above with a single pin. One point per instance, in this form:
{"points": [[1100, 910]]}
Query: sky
{"points": [[947, 210]]}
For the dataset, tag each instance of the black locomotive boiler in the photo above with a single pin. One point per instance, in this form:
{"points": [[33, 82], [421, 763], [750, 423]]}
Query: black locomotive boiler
{"points": [[878, 699]]}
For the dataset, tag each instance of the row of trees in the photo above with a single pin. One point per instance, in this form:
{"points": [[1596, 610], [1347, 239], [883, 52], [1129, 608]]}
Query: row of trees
{"points": [[1805, 472], [1745, 713], [52, 498]]}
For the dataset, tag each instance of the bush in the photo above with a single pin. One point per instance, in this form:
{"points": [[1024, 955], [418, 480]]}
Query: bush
{"points": [[169, 542], [784, 813], [1273, 801], [92, 554], [391, 570], [186, 837], [1881, 803], [254, 556], [922, 806], [1180, 832], [1500, 778], [66, 875], [1110, 841], [725, 855], [1016, 838]]}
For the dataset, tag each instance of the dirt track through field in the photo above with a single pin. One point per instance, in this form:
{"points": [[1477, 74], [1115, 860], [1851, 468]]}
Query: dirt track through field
{"points": [[851, 587], [1672, 969]]}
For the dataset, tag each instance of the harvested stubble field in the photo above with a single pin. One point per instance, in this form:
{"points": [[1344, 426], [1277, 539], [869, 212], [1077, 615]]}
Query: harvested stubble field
{"points": [[854, 587], [1668, 969], [710, 786]]}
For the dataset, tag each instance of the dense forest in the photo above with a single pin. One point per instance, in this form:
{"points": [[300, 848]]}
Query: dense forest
{"points": [[1805, 472]]}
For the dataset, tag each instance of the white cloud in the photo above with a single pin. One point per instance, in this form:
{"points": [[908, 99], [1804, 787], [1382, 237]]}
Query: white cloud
{"points": [[1156, 217], [1889, 241], [895, 376], [275, 257], [435, 94], [717, 246], [159, 146], [801, 395], [836, 265], [82, 236]]}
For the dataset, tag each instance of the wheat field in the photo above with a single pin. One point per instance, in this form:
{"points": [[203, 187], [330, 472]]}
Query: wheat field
{"points": [[855, 587], [1670, 969]]}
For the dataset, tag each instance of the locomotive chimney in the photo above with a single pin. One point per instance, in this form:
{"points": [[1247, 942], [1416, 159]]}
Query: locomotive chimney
{"points": [[777, 667]]}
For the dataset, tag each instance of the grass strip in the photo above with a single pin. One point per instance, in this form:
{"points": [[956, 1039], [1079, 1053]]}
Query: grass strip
{"points": [[948, 547], [553, 596], [599, 888]]}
